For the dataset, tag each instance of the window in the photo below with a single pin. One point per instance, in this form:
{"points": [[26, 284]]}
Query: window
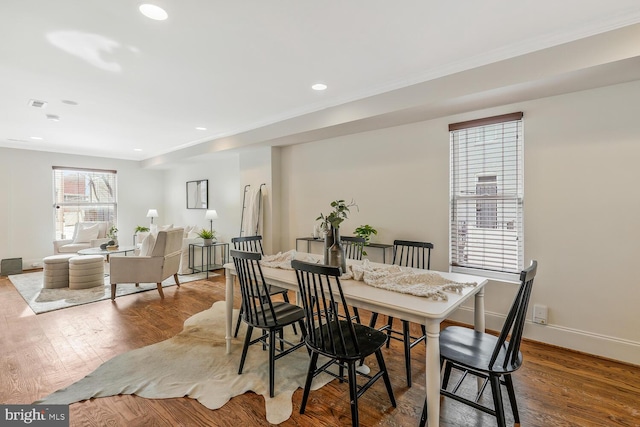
{"points": [[81, 195], [487, 196]]}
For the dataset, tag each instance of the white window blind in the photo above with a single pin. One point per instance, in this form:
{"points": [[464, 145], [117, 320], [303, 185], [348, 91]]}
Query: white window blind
{"points": [[81, 195], [487, 189]]}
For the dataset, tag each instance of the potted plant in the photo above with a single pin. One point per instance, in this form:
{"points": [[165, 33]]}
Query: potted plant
{"points": [[365, 231], [207, 235], [141, 229], [339, 214], [333, 252]]}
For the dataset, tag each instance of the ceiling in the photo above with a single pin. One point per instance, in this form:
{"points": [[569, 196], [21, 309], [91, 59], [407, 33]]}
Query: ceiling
{"points": [[243, 70]]}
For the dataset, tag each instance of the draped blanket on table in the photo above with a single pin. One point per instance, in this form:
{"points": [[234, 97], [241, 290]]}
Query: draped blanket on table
{"points": [[405, 280]]}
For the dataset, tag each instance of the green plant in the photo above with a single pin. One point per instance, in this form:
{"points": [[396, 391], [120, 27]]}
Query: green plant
{"points": [[339, 214], [365, 231], [141, 229], [207, 234]]}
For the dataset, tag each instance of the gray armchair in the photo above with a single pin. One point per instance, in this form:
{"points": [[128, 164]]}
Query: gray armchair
{"points": [[84, 237], [153, 265]]}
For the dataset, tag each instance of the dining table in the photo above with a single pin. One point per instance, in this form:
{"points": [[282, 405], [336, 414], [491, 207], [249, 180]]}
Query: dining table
{"points": [[422, 310]]}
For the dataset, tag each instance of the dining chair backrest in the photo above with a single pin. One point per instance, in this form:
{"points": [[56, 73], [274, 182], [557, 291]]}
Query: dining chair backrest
{"points": [[256, 310], [514, 324], [407, 253], [353, 246], [321, 293], [248, 243]]}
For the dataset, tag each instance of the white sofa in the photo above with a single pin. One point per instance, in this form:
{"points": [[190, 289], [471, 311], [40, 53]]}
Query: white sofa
{"points": [[85, 235]]}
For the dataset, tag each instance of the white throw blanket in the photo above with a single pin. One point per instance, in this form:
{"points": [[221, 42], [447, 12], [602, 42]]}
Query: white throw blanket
{"points": [[422, 283], [283, 259], [405, 280]]}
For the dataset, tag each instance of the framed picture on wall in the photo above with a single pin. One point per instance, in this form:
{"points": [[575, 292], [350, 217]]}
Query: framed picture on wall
{"points": [[198, 194]]}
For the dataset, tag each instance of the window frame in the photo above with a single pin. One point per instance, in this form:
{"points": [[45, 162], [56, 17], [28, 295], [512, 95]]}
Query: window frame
{"points": [[509, 197], [103, 210]]}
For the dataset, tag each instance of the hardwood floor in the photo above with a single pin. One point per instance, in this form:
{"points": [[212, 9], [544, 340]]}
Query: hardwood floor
{"points": [[42, 353]]}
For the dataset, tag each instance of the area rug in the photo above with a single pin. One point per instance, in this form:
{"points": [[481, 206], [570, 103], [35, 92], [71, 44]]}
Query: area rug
{"points": [[194, 364], [29, 285]]}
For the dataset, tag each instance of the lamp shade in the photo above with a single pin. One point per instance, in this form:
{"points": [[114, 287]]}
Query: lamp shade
{"points": [[211, 214], [152, 213]]}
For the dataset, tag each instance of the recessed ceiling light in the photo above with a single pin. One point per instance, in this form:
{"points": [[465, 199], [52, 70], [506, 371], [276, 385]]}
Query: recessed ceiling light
{"points": [[69, 102], [319, 86], [53, 117], [153, 12], [36, 137], [201, 128], [37, 103], [137, 149]]}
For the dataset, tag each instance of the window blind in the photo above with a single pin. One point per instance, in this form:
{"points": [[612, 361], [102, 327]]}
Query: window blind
{"points": [[486, 178], [81, 195]]}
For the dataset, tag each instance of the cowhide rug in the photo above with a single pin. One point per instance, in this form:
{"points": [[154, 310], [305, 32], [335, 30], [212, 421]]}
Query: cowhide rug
{"points": [[194, 364]]}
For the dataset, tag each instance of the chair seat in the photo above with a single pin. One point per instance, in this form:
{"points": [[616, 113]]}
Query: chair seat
{"points": [[369, 340], [285, 314], [473, 349]]}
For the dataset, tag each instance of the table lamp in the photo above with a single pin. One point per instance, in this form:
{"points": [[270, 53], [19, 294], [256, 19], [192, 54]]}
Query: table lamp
{"points": [[152, 213], [211, 215]]}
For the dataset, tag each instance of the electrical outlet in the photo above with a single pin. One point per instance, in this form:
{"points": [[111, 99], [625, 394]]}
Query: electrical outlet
{"points": [[540, 313]]}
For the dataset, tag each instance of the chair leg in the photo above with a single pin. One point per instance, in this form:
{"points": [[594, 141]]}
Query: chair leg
{"points": [[245, 347], [497, 399], [357, 314], [447, 374], [307, 385], [423, 417], [113, 291], [385, 377], [389, 328], [160, 290], [285, 296], [372, 321], [272, 361], [235, 334], [407, 350], [512, 398], [353, 394], [175, 277]]}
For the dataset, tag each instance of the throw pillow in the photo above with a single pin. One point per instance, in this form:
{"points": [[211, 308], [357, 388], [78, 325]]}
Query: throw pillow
{"points": [[87, 233], [147, 245]]}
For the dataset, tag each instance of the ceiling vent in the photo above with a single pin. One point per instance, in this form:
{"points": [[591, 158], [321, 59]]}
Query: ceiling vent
{"points": [[37, 104]]}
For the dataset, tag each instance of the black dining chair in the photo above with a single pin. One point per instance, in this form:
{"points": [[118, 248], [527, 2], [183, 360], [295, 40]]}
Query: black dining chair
{"points": [[489, 357], [353, 249], [337, 338], [260, 312], [413, 254], [254, 244], [353, 246]]}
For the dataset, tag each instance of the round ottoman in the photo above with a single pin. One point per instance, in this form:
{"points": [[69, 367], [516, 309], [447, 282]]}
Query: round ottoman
{"points": [[56, 271], [86, 271]]}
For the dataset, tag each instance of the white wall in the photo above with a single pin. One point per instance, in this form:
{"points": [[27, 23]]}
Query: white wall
{"points": [[582, 206], [225, 195], [26, 196]]}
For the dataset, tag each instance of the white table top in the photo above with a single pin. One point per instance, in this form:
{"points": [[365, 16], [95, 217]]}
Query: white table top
{"points": [[359, 294], [98, 251]]}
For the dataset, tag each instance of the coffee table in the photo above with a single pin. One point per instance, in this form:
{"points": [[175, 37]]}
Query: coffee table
{"points": [[107, 252]]}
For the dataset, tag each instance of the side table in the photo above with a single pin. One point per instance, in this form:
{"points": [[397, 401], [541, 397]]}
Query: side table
{"points": [[209, 257]]}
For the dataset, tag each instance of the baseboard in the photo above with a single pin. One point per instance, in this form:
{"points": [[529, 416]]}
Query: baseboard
{"points": [[583, 341]]}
